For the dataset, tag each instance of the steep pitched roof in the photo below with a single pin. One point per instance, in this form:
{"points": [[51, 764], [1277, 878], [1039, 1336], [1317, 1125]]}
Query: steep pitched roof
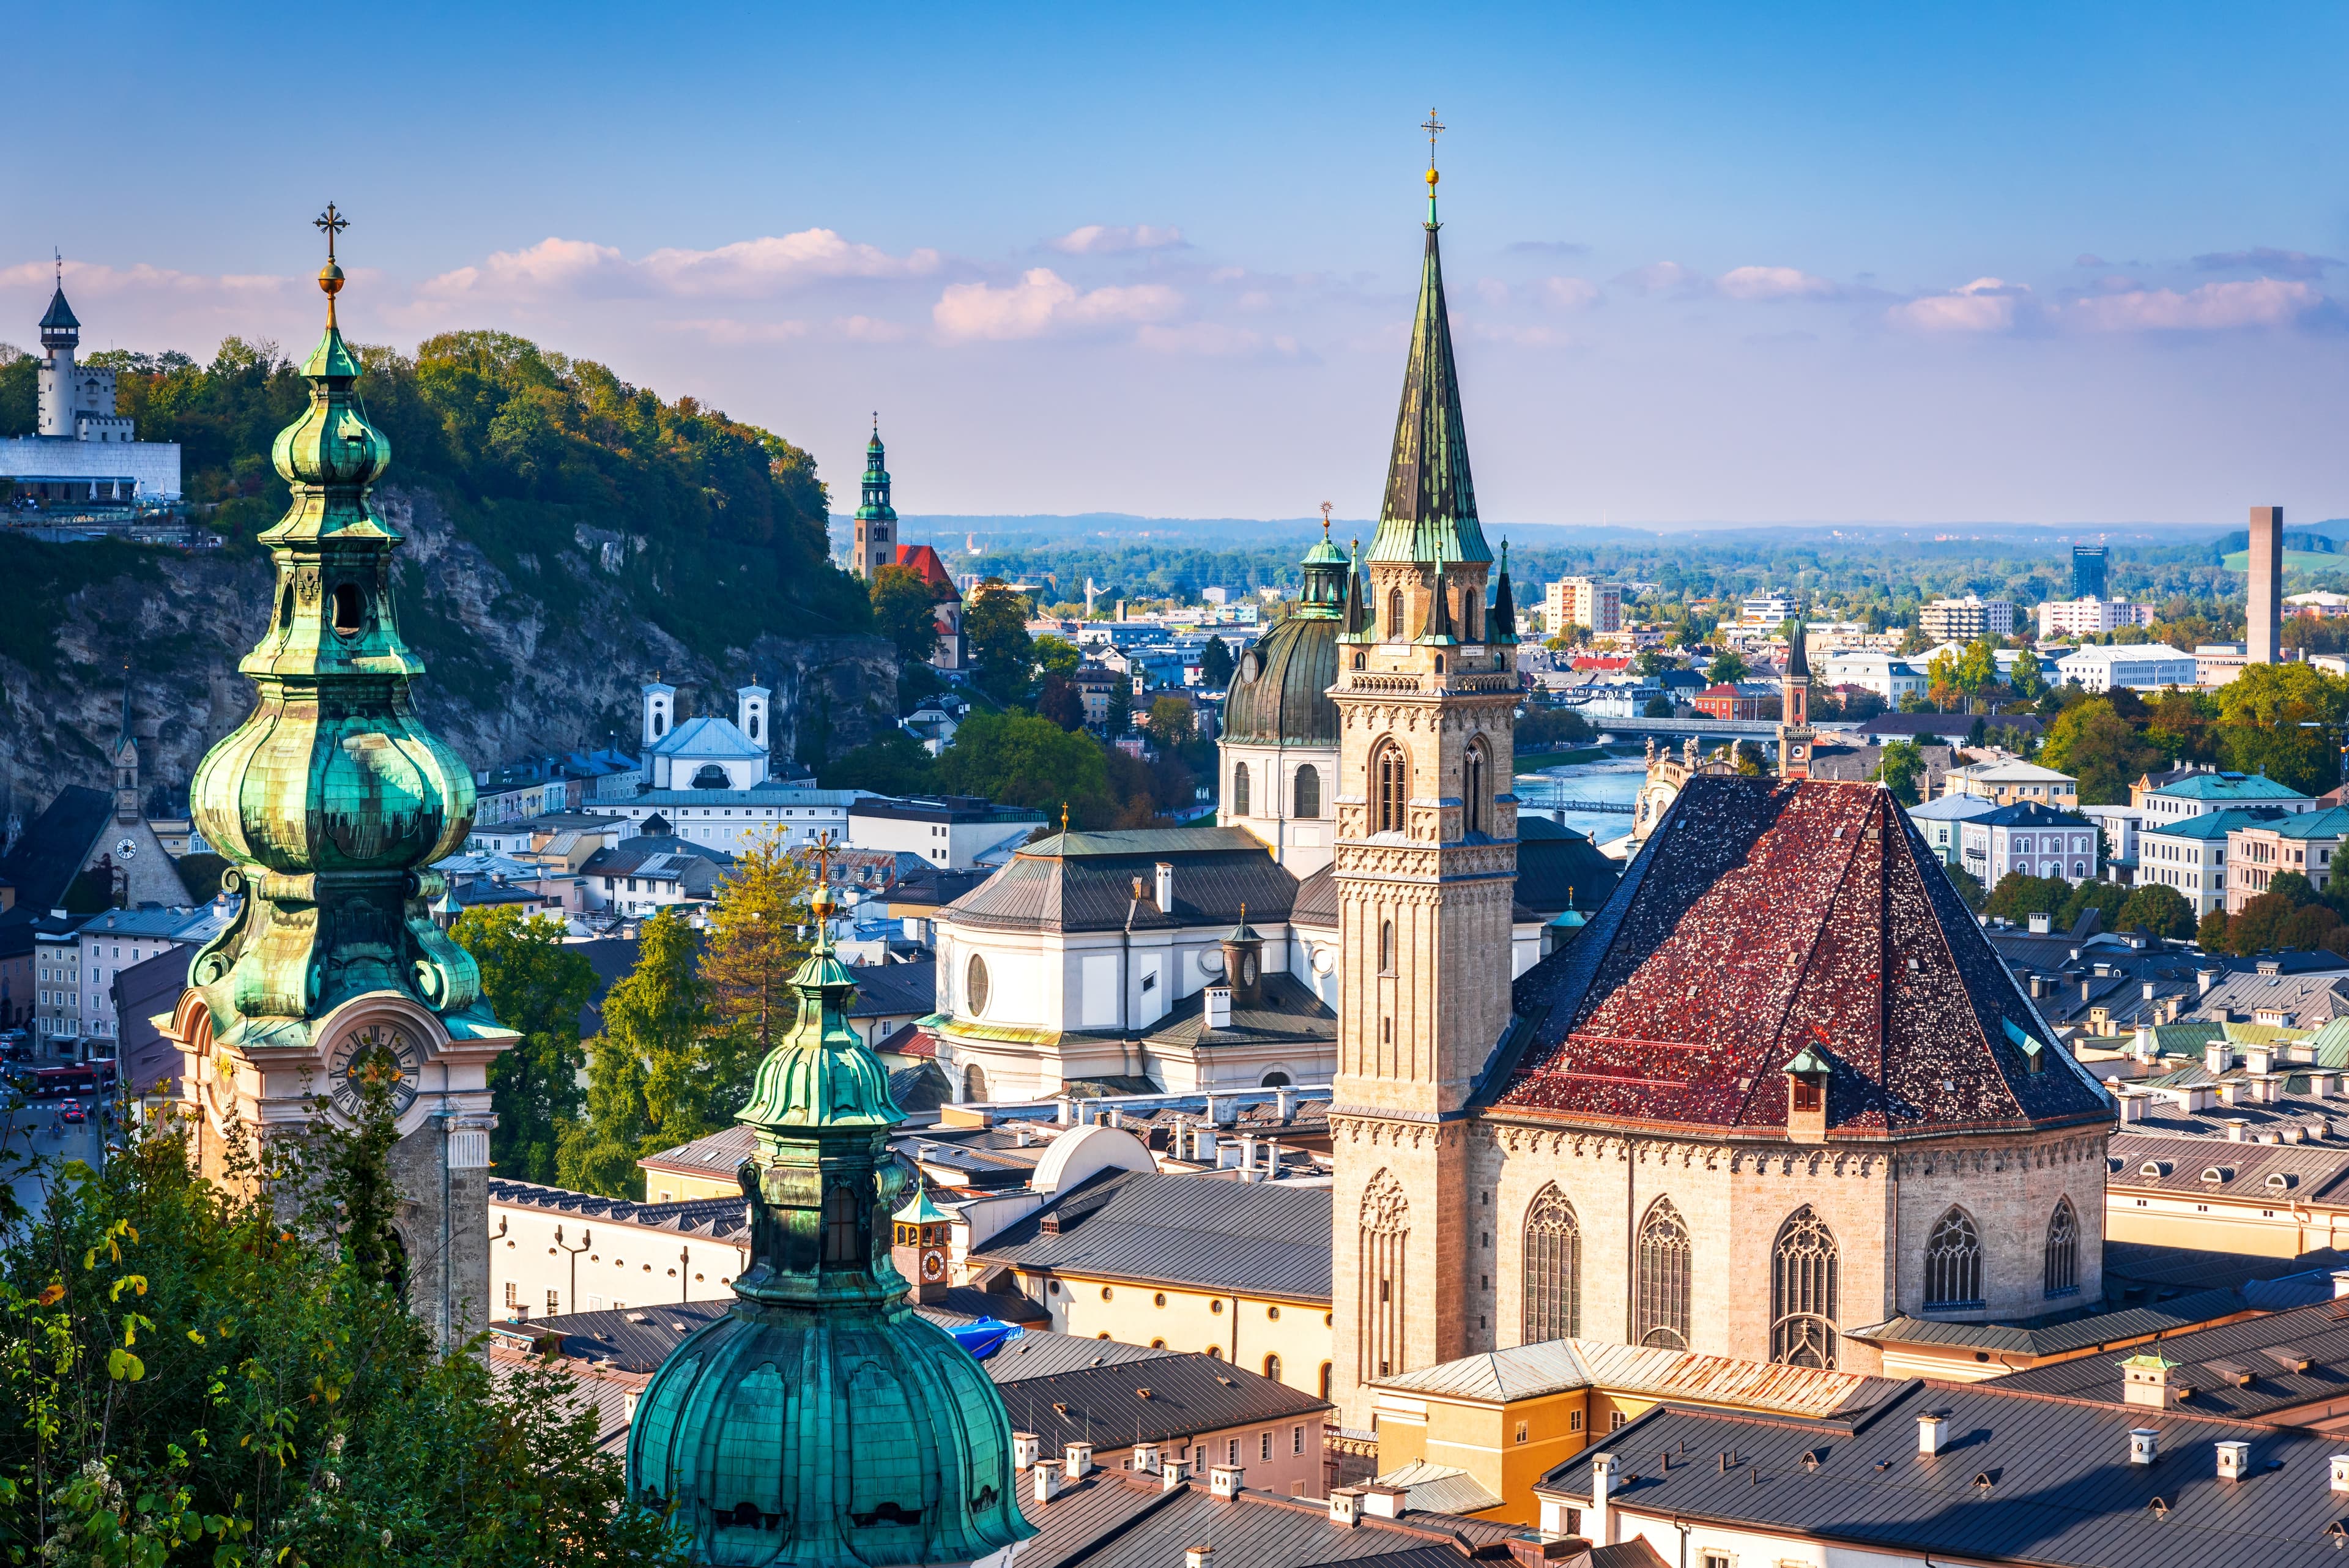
{"points": [[1268, 1237], [1764, 917], [707, 737], [924, 559], [1085, 882], [56, 845], [1431, 501]]}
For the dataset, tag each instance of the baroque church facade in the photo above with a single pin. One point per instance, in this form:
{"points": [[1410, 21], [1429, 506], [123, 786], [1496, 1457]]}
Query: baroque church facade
{"points": [[1779, 1088]]}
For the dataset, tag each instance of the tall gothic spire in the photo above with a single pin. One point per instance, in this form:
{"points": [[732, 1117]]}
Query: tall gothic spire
{"points": [[1503, 620], [1431, 501]]}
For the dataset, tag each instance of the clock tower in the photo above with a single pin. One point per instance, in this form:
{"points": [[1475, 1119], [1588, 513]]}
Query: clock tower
{"points": [[331, 802]]}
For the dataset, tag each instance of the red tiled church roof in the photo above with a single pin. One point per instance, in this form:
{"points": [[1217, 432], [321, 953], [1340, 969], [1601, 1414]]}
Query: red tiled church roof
{"points": [[924, 560], [1766, 917]]}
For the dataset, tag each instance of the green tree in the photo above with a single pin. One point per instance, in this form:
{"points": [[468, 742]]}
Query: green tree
{"points": [[646, 1075], [1062, 704], [537, 985], [1969, 887], [892, 762], [1977, 672], [1657, 708], [1216, 665], [995, 630], [2106, 897], [2098, 747], [1728, 668], [905, 611], [1654, 661], [1899, 767], [2019, 896], [1056, 656], [2025, 678], [1019, 759], [2210, 932], [2284, 719], [2156, 910], [754, 946], [1172, 722], [222, 1374]]}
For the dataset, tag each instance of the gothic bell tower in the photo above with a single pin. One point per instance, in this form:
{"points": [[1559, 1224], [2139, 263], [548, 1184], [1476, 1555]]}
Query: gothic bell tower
{"points": [[1426, 869], [331, 802]]}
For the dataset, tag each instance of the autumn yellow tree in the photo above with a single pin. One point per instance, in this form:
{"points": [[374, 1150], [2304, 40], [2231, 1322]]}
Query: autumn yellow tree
{"points": [[757, 939]]}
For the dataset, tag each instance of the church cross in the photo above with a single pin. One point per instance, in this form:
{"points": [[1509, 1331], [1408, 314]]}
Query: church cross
{"points": [[334, 223], [1434, 127], [1325, 519]]}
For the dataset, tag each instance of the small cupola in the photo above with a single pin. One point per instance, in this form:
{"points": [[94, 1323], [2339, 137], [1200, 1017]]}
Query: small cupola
{"points": [[1243, 963], [1807, 1096]]}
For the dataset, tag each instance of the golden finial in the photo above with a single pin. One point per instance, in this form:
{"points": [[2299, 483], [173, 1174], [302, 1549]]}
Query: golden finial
{"points": [[330, 276], [1325, 520], [1065, 816], [1434, 127], [821, 904]]}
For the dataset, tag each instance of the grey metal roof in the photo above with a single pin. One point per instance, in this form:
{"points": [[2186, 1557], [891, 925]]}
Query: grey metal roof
{"points": [[2175, 1161], [883, 990], [2024, 1478], [1085, 882], [1557, 869], [1289, 1012], [1440, 1489], [1157, 1401], [1266, 1238], [2307, 1000], [2252, 1370], [1317, 899], [719, 1218]]}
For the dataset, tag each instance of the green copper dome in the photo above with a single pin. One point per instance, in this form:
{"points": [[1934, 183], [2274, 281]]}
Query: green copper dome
{"points": [[332, 798], [1279, 692], [821, 1423]]}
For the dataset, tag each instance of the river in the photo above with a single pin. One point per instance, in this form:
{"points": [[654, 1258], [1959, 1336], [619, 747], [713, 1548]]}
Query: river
{"points": [[1617, 781]]}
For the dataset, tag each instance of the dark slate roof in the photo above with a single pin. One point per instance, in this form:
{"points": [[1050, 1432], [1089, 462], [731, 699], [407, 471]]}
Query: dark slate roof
{"points": [[885, 988], [1557, 869], [1317, 898], [1281, 689], [1267, 1237], [1288, 1013], [2030, 813], [1150, 1402], [922, 1088], [1763, 918], [151, 1062], [55, 845], [2199, 1165], [1085, 882], [719, 1218], [2026, 1478], [935, 884], [1117, 1519], [59, 316], [2249, 1371]]}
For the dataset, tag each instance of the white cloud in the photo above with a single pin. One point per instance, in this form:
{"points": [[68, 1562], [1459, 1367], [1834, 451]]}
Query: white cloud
{"points": [[1103, 239], [1773, 283], [746, 269], [100, 281], [1042, 302], [2213, 307], [1985, 304], [1659, 278], [1570, 292]]}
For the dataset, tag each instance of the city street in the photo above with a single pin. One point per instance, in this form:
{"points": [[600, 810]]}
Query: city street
{"points": [[29, 1132]]}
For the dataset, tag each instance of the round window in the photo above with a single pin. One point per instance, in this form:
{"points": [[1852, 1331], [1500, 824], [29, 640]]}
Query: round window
{"points": [[1215, 1306], [1104, 1293], [974, 986], [1324, 959], [1158, 1300], [1253, 665], [1211, 960], [1273, 1312], [1248, 969]]}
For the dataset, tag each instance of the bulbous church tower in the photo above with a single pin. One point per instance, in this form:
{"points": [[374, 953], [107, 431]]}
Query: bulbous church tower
{"points": [[1426, 870], [331, 801], [822, 1420]]}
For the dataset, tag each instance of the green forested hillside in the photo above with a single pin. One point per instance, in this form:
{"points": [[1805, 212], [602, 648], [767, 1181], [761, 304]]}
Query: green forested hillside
{"points": [[720, 523]]}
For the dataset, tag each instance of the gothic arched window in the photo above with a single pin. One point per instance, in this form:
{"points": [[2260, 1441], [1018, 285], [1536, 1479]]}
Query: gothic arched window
{"points": [[1385, 1228], [1472, 788], [2062, 1250], [1953, 1261], [1553, 1269], [1803, 1269], [1386, 947], [1239, 789], [1472, 607], [1308, 791], [1663, 1282], [1394, 615], [1389, 788]]}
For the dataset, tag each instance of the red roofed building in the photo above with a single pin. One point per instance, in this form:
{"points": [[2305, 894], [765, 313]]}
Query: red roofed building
{"points": [[1746, 699], [924, 560]]}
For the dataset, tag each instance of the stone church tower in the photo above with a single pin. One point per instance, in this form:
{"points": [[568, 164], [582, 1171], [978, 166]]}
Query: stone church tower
{"points": [[1427, 864], [331, 802]]}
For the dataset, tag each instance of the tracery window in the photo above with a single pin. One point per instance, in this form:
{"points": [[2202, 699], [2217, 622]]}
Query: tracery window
{"points": [[1663, 1281], [1394, 615], [1471, 768], [1953, 1261], [1385, 1230], [1803, 1269], [1239, 789], [1553, 1269], [1307, 787], [2062, 1250], [1391, 787]]}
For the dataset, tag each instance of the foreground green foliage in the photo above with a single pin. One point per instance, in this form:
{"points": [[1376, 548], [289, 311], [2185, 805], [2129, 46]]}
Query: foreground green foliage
{"points": [[537, 985]]}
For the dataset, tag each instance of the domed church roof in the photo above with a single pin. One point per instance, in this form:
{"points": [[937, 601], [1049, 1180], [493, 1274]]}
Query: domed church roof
{"points": [[1279, 692]]}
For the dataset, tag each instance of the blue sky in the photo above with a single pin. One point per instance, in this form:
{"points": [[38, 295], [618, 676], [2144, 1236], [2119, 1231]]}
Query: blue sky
{"points": [[1706, 263]]}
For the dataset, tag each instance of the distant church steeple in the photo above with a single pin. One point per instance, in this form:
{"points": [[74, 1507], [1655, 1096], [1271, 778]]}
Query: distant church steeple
{"points": [[876, 520], [126, 760]]}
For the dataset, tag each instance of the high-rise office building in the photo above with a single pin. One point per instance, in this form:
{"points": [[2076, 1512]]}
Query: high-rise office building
{"points": [[2088, 571]]}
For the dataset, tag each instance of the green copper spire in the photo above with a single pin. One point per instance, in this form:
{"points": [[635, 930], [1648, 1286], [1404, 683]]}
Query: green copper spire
{"points": [[1431, 501], [332, 799], [874, 505], [1501, 621], [821, 1422], [1323, 597], [1356, 613]]}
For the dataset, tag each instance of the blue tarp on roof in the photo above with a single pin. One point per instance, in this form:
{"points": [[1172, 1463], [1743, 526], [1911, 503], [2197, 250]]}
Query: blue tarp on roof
{"points": [[987, 1336]]}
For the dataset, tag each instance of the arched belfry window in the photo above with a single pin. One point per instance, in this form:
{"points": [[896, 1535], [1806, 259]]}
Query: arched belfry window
{"points": [[1803, 1270], [1395, 632], [1239, 789], [1954, 1262], [1553, 1269], [1473, 789], [1662, 1304], [1385, 1230], [1308, 791], [2062, 1250], [1389, 788]]}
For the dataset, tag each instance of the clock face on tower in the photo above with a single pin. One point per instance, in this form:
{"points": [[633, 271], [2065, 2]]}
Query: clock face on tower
{"points": [[125, 848], [934, 1265], [379, 1047]]}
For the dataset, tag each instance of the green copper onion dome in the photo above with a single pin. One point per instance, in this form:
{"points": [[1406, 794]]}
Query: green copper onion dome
{"points": [[822, 1423], [332, 799]]}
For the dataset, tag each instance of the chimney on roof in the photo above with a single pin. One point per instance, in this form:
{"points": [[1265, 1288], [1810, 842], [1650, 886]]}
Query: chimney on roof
{"points": [[1064, 1111], [2145, 1444], [1384, 1501], [1077, 1460], [2340, 1283], [2217, 1056], [1272, 1159], [2202, 980], [2341, 1472], [1202, 1145], [1284, 1099], [1248, 1157], [1602, 1487], [1346, 1506], [1146, 1457], [2042, 924], [2260, 1058], [2234, 1460], [2229, 1088], [2319, 1084], [2132, 1105], [1024, 1449], [1165, 869], [1219, 1006], [2234, 1127], [1048, 1480], [1932, 1432], [1201, 1556], [1172, 1474], [2144, 1380], [1224, 1481], [2270, 966]]}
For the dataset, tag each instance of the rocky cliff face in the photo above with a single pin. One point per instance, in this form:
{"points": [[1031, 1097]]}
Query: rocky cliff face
{"points": [[547, 656]]}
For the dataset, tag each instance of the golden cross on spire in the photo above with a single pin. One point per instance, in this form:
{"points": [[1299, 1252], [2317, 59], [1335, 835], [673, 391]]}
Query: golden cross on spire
{"points": [[822, 846], [334, 223], [1434, 127], [1325, 519]]}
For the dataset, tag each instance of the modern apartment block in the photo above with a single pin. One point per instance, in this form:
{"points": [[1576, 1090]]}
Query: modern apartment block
{"points": [[1965, 619], [1583, 601]]}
